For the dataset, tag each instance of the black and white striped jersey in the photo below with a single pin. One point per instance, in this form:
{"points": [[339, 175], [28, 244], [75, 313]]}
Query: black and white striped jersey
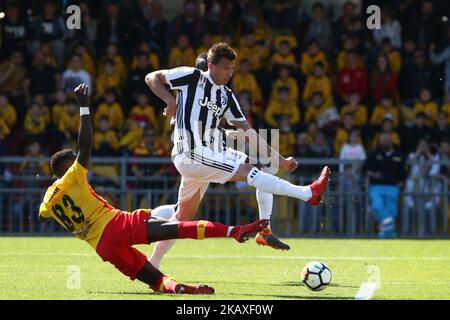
{"points": [[201, 104]]}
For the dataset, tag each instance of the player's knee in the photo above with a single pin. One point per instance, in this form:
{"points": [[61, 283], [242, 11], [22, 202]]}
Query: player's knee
{"points": [[184, 213], [243, 172]]}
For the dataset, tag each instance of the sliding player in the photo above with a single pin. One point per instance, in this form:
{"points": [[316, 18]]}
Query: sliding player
{"points": [[111, 232]]}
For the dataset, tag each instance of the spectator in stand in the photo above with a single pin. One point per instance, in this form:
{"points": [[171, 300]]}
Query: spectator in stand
{"points": [[254, 52], [69, 122], [390, 28], [384, 108], [50, 27], [158, 27], [74, 75], [8, 114], [342, 26], [356, 108], [135, 84], [106, 142], [426, 105], [87, 34], [348, 45], [112, 53], [302, 147], [383, 80], [411, 135], [35, 123], [442, 170], [318, 82], [386, 127], [343, 132], [143, 113], [286, 137], [279, 14], [393, 55], [425, 30], [207, 42], [218, 14], [252, 113], [111, 109], [188, 23], [41, 79], [285, 80], [282, 107], [351, 78], [352, 149], [87, 60], [385, 168], [109, 78], [245, 80], [419, 75], [283, 57], [443, 57], [182, 54], [326, 116], [446, 104], [320, 27], [320, 148], [418, 179], [12, 76], [442, 129], [15, 30], [144, 47], [311, 56], [59, 107], [114, 28]]}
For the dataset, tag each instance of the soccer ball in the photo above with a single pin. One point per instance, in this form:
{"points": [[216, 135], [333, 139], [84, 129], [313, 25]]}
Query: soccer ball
{"points": [[316, 275]]}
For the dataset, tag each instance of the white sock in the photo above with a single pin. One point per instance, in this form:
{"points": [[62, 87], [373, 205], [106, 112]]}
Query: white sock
{"points": [[265, 203], [274, 185], [165, 212], [161, 248]]}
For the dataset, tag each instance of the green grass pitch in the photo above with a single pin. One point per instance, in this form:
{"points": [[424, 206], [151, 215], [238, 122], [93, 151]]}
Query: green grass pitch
{"points": [[37, 268]]}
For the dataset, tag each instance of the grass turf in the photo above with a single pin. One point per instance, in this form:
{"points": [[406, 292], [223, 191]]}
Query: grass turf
{"points": [[37, 268]]}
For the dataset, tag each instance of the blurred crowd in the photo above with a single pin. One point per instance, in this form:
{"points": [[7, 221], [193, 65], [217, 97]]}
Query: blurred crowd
{"points": [[312, 69]]}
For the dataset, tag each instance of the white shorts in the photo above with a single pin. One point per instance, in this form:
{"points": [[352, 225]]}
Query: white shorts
{"points": [[205, 166]]}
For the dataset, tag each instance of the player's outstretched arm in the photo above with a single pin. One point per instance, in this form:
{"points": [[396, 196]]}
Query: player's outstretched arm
{"points": [[85, 133], [289, 164], [156, 81]]}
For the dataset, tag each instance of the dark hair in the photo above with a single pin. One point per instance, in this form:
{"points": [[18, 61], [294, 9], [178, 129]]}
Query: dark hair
{"points": [[58, 159], [220, 50], [201, 62], [318, 5]]}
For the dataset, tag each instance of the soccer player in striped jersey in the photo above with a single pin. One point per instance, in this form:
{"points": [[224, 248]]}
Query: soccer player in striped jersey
{"points": [[203, 100], [72, 202]]}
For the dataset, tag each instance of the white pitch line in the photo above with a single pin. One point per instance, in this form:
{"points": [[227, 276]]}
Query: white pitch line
{"points": [[175, 256], [366, 291]]}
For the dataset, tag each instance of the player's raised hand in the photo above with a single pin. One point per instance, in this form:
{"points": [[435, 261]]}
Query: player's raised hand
{"points": [[289, 164], [82, 94]]}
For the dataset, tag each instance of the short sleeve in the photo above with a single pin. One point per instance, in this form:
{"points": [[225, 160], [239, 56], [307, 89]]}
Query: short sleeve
{"points": [[179, 77], [233, 112], [44, 212], [75, 174]]}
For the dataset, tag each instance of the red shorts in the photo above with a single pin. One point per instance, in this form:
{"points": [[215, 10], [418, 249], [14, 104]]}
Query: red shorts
{"points": [[120, 234]]}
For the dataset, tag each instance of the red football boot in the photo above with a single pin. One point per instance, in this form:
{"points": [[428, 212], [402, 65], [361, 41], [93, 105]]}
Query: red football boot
{"points": [[167, 284], [242, 233], [318, 187]]}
